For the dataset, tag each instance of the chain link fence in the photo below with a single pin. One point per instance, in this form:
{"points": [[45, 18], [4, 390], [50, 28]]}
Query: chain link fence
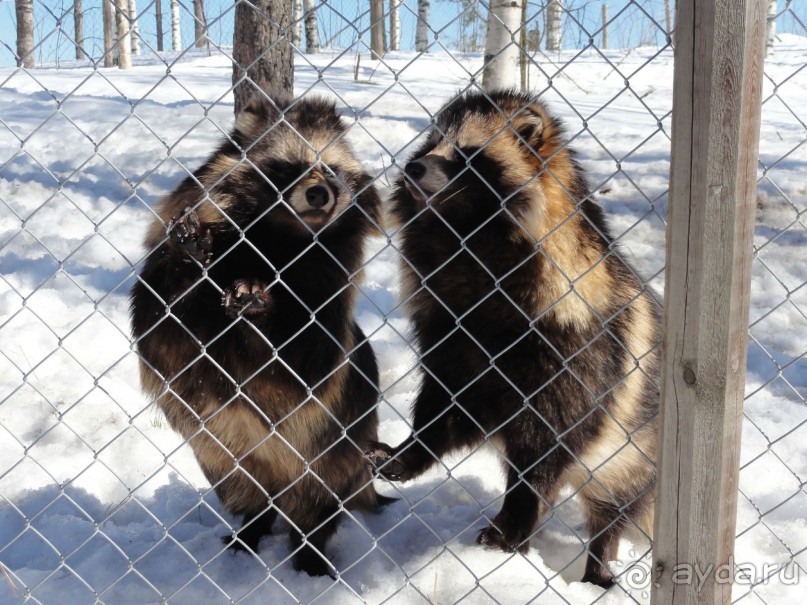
{"points": [[102, 502]]}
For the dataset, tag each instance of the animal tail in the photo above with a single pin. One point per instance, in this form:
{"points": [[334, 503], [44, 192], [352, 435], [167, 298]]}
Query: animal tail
{"points": [[382, 500]]}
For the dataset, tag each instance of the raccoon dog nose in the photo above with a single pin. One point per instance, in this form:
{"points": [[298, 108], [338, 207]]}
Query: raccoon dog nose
{"points": [[415, 170], [316, 196]]}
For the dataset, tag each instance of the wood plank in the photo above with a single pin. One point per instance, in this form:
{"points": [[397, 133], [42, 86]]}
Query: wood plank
{"points": [[715, 134]]}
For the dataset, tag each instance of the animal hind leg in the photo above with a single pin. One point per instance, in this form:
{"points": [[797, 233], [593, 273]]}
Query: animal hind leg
{"points": [[511, 528], [605, 525], [309, 540], [531, 484], [239, 493], [614, 502], [255, 526]]}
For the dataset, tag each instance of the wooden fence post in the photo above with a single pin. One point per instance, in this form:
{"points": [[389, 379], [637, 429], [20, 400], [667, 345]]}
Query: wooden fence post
{"points": [[715, 139]]}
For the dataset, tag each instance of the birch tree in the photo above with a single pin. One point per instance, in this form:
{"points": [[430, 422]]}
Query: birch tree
{"points": [[394, 25], [176, 33], [422, 29], [296, 26], [770, 34], [502, 52], [78, 23], [260, 44], [311, 27], [667, 16], [554, 30], [124, 34], [25, 33], [110, 32], [135, 29], [158, 13]]}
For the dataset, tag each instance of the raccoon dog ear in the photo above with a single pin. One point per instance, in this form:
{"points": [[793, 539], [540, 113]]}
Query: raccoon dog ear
{"points": [[258, 115], [529, 122]]}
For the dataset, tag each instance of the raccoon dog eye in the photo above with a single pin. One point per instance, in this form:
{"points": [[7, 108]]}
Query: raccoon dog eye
{"points": [[467, 154]]}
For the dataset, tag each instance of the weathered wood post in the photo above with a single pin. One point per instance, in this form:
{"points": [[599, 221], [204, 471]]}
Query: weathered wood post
{"points": [[715, 137]]}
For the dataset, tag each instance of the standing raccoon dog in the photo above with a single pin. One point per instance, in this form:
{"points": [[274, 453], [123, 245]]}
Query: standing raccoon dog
{"points": [[533, 332], [243, 316]]}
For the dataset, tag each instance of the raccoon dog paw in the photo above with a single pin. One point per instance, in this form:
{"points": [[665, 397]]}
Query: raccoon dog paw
{"points": [[492, 538], [241, 543], [379, 455], [187, 231], [599, 579], [246, 297], [312, 563]]}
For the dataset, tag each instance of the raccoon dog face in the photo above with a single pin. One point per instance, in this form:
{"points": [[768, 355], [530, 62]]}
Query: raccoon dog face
{"points": [[298, 161], [485, 152]]}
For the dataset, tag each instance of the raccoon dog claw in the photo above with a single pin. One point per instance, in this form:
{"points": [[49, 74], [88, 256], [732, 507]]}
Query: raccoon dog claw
{"points": [[493, 539], [187, 231], [246, 297], [601, 580], [379, 455]]}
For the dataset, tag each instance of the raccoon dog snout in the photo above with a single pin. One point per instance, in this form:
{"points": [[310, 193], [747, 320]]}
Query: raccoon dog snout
{"points": [[318, 196], [415, 170], [429, 174]]}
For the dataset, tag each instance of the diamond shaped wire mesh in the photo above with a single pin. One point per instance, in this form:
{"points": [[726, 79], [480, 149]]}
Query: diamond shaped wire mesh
{"points": [[102, 502]]}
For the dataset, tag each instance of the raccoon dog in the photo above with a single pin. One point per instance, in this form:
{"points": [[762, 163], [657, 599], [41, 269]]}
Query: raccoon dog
{"points": [[533, 333], [243, 316]]}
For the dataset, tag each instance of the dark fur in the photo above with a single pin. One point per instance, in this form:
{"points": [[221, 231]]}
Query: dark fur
{"points": [[533, 332], [231, 365]]}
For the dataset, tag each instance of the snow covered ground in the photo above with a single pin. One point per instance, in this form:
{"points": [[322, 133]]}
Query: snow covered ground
{"points": [[99, 500]]}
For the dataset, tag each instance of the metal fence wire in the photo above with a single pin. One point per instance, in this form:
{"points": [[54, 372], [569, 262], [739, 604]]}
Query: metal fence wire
{"points": [[101, 501]]}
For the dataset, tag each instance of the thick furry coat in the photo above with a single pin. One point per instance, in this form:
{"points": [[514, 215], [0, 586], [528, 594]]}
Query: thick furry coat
{"points": [[243, 317], [534, 333]]}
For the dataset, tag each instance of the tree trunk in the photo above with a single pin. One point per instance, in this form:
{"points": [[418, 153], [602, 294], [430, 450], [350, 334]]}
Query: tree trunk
{"points": [[604, 26], [422, 30], [199, 23], [124, 35], [501, 50], [25, 33], [262, 56], [296, 18], [176, 32], [394, 25], [522, 43], [110, 33], [311, 27], [667, 17], [770, 34], [534, 36], [377, 42], [135, 27], [554, 29], [78, 22], [158, 11]]}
